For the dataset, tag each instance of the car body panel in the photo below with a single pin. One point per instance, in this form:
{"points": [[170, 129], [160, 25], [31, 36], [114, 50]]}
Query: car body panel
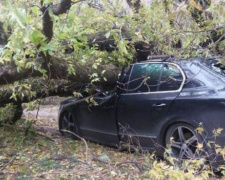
{"points": [[142, 115], [98, 122]]}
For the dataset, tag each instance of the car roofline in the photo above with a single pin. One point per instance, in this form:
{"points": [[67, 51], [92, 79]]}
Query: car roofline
{"points": [[166, 59], [170, 59]]}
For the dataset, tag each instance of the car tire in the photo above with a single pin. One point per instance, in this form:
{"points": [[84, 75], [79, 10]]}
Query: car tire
{"points": [[183, 141], [66, 122]]}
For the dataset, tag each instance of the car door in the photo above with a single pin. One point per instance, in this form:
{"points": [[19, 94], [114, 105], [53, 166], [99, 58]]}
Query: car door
{"points": [[151, 89], [98, 122]]}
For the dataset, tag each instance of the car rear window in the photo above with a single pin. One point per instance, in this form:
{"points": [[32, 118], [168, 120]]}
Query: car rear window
{"points": [[171, 78]]}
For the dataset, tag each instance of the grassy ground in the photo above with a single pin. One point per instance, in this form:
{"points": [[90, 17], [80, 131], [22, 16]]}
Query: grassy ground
{"points": [[40, 152], [29, 155]]}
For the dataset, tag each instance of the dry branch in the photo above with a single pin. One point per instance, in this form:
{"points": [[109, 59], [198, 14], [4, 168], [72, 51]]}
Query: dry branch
{"points": [[7, 164]]}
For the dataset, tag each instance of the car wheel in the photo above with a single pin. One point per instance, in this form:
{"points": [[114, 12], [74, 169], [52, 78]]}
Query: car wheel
{"points": [[66, 122], [183, 141]]}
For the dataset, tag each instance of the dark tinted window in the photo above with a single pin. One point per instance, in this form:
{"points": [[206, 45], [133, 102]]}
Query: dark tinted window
{"points": [[144, 78], [171, 78]]}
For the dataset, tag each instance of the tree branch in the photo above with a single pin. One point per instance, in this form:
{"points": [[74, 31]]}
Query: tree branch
{"points": [[3, 36], [62, 7], [134, 4]]}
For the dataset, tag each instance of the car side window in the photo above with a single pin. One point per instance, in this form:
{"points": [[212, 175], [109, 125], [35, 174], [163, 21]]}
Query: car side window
{"points": [[144, 78], [171, 78]]}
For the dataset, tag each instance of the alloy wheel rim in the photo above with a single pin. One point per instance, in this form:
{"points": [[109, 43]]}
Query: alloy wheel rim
{"points": [[67, 121], [184, 143]]}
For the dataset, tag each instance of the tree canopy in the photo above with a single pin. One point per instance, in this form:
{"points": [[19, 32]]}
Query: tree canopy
{"points": [[54, 47]]}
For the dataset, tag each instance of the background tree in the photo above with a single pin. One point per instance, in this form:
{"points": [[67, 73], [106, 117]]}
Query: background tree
{"points": [[54, 48]]}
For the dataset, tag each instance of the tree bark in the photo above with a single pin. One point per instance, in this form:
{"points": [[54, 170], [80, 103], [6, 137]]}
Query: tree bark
{"points": [[57, 9], [3, 36], [58, 69], [134, 4]]}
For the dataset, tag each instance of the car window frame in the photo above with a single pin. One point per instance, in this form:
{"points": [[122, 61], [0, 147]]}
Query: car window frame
{"points": [[158, 92]]}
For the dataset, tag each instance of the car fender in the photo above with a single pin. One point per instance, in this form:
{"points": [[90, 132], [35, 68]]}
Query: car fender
{"points": [[71, 106]]}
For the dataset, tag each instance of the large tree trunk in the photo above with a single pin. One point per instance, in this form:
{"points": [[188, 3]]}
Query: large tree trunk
{"points": [[61, 84], [58, 70]]}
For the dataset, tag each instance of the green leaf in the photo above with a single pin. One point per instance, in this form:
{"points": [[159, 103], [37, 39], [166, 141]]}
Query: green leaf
{"points": [[107, 35], [103, 72], [122, 47], [35, 10], [77, 94], [17, 15], [36, 37], [20, 17], [47, 1], [94, 66], [94, 75]]}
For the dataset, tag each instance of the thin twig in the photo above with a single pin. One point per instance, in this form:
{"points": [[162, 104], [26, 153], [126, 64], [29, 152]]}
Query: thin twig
{"points": [[221, 37], [38, 109], [46, 137], [77, 136], [202, 31], [137, 164], [11, 160]]}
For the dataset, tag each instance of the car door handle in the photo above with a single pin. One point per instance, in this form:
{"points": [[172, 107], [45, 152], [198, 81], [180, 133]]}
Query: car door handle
{"points": [[159, 105]]}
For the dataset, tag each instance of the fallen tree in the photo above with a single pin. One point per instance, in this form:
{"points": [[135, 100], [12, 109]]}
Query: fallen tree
{"points": [[54, 49]]}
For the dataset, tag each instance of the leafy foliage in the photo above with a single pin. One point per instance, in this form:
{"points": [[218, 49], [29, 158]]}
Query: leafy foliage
{"points": [[167, 27], [7, 113], [149, 25]]}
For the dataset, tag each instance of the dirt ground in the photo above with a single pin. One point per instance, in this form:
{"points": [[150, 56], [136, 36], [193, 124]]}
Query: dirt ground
{"points": [[46, 115]]}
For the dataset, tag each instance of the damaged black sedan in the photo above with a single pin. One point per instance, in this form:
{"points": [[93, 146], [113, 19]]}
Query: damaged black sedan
{"points": [[157, 103]]}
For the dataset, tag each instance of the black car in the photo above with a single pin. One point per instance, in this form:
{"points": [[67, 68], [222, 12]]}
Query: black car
{"points": [[157, 102]]}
